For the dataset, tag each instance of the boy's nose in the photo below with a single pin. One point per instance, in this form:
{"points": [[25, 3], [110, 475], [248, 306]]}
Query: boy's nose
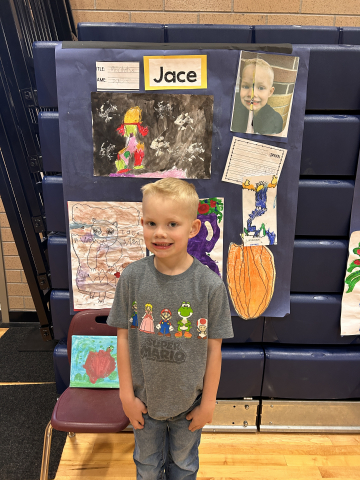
{"points": [[159, 232]]}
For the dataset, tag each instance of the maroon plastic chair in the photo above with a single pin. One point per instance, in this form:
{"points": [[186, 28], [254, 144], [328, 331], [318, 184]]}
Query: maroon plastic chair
{"points": [[85, 410]]}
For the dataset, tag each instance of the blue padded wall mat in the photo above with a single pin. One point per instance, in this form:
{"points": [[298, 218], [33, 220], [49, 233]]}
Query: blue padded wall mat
{"points": [[350, 36], [317, 200], [314, 319], [175, 33], [295, 34], [324, 207], [332, 70], [246, 331], [330, 145], [319, 266], [54, 203], [121, 32], [57, 251], [327, 138], [61, 366], [60, 308], [45, 73], [241, 372], [50, 141], [312, 373]]}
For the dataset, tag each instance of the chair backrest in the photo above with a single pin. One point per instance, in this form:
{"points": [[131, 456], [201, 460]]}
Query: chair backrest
{"points": [[84, 323]]}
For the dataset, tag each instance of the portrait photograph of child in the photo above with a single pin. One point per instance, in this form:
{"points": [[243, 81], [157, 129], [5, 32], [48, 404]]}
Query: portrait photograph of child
{"points": [[263, 95]]}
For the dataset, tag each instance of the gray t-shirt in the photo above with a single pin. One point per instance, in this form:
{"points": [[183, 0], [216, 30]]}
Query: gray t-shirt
{"points": [[169, 319]]}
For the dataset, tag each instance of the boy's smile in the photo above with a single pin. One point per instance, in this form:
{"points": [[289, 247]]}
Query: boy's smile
{"points": [[167, 227], [259, 77]]}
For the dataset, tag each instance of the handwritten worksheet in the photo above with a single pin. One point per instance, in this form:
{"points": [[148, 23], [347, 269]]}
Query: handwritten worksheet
{"points": [[247, 159], [117, 76]]}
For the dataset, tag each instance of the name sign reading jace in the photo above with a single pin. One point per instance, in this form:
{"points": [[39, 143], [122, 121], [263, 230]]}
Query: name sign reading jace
{"points": [[175, 72]]}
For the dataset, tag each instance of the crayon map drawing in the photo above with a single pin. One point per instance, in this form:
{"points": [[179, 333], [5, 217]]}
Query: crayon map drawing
{"points": [[105, 237], [350, 304], [152, 135], [259, 210], [251, 279], [93, 362], [207, 245]]}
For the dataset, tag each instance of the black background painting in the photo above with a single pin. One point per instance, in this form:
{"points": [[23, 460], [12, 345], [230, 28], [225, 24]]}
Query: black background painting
{"points": [[179, 132]]}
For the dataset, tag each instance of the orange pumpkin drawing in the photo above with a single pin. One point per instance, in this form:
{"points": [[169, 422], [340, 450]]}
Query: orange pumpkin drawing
{"points": [[251, 279]]}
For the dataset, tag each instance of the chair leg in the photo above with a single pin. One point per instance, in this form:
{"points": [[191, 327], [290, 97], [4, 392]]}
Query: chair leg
{"points": [[44, 475], [71, 434]]}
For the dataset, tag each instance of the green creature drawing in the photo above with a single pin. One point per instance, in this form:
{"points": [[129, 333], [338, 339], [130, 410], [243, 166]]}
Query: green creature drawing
{"points": [[352, 279], [184, 325]]}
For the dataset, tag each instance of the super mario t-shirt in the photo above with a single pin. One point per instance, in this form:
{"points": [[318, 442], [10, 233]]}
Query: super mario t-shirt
{"points": [[169, 320]]}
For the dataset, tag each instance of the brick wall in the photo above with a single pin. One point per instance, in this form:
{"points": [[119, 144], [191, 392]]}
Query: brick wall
{"points": [[240, 12], [19, 296]]}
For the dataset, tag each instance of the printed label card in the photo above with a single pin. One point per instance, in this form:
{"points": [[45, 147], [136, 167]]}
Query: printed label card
{"points": [[247, 158], [105, 237], [259, 210], [175, 71], [93, 362], [117, 76], [350, 305]]}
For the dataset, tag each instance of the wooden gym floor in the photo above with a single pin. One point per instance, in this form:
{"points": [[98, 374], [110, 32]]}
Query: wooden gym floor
{"points": [[251, 456]]}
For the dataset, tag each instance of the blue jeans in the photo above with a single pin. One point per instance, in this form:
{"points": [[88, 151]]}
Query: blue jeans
{"points": [[166, 449]]}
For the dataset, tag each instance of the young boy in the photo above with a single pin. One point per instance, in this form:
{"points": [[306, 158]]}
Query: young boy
{"points": [[168, 384], [256, 87]]}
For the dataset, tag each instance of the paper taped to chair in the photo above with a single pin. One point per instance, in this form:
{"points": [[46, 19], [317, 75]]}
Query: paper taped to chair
{"points": [[105, 237], [93, 362], [350, 305]]}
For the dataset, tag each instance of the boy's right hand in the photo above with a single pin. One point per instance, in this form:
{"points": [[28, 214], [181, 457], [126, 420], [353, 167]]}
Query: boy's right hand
{"points": [[133, 409]]}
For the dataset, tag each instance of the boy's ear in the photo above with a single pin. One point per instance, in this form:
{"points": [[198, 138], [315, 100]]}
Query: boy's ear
{"points": [[142, 221], [195, 228], [272, 90]]}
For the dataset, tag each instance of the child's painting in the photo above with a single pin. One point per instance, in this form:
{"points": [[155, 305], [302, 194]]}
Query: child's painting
{"points": [[105, 237], [350, 305], [251, 279], [93, 362], [207, 245], [152, 135], [259, 210], [263, 93]]}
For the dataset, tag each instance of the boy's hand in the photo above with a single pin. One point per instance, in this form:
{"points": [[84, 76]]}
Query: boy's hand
{"points": [[200, 416], [133, 409]]}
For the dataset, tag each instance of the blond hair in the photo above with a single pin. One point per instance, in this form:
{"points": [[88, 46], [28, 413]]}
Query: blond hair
{"points": [[175, 189], [259, 62]]}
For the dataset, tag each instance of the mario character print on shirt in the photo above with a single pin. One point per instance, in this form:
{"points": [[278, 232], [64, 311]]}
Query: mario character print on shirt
{"points": [[165, 326], [184, 325], [134, 318], [147, 324], [202, 325]]}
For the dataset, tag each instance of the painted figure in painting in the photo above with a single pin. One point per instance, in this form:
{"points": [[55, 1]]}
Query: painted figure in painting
{"points": [[260, 189], [147, 324], [201, 246], [131, 129]]}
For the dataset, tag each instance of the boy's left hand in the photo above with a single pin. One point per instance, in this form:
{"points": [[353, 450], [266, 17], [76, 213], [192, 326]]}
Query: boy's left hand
{"points": [[200, 416]]}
